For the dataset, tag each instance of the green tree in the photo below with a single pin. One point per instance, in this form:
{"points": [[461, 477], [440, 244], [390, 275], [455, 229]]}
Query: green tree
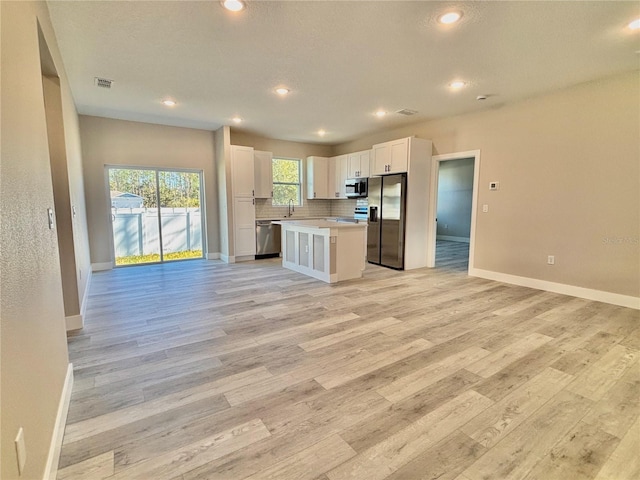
{"points": [[177, 189], [286, 181]]}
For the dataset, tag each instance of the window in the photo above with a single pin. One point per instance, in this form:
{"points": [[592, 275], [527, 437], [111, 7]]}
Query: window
{"points": [[287, 181]]}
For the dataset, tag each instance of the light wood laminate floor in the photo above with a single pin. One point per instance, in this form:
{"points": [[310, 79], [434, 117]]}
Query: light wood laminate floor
{"points": [[202, 370]]}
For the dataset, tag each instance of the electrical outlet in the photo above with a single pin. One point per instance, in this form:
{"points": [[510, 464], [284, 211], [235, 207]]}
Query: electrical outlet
{"points": [[446, 226], [485, 208], [551, 260], [21, 451]]}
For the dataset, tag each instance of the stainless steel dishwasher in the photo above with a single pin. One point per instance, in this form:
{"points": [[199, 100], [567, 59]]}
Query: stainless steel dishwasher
{"points": [[267, 239]]}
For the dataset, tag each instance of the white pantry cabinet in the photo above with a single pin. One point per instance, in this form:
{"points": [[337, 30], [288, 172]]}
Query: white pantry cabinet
{"points": [[318, 178], [263, 174], [391, 157], [243, 193], [358, 164]]}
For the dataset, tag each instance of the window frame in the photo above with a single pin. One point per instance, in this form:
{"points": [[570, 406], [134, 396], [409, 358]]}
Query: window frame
{"points": [[299, 184]]}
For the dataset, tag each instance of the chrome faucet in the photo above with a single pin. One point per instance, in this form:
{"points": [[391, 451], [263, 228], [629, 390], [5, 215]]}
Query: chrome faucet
{"points": [[291, 208]]}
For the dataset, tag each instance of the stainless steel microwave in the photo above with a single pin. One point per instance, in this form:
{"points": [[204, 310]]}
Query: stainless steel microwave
{"points": [[356, 187]]}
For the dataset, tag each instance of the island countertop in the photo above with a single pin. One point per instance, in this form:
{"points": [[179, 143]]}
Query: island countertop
{"points": [[320, 223]]}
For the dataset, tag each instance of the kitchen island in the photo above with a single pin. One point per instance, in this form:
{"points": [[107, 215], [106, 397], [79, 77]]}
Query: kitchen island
{"points": [[329, 250]]}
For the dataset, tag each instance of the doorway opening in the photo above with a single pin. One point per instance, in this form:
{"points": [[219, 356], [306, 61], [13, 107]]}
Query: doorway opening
{"points": [[452, 213], [156, 215]]}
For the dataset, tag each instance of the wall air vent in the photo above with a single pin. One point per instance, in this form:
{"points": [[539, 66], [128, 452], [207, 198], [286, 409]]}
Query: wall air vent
{"points": [[102, 82], [407, 111]]}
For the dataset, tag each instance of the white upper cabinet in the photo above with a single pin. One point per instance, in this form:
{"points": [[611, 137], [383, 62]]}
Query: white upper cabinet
{"points": [[318, 178], [391, 157], [263, 174], [242, 171], [339, 176], [358, 164]]}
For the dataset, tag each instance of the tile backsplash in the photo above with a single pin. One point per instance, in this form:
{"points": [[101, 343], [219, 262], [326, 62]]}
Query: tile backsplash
{"points": [[310, 208]]}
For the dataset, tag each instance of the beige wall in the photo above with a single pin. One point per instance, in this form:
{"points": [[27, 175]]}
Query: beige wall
{"points": [[62, 200], [223, 173], [280, 147], [118, 142], [568, 166], [32, 328]]}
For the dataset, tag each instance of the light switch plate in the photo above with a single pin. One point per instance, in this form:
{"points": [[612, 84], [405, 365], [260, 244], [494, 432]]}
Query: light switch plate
{"points": [[50, 216], [21, 451]]}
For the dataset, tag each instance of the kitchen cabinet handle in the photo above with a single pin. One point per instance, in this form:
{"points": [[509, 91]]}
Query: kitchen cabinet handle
{"points": [[253, 193], [253, 201]]}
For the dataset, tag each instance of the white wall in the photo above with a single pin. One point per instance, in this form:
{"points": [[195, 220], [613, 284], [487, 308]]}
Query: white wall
{"points": [[568, 168]]}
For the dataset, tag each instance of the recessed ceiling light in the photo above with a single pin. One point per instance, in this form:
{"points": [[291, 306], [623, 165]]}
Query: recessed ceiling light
{"points": [[635, 25], [380, 113], [237, 119], [322, 133], [457, 84], [168, 102], [449, 17], [282, 91], [233, 5]]}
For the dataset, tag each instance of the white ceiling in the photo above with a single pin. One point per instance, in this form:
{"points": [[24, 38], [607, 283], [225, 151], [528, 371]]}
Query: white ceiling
{"points": [[342, 60]]}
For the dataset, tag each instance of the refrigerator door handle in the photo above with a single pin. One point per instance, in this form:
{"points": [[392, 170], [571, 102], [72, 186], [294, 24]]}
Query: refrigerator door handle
{"points": [[373, 214]]}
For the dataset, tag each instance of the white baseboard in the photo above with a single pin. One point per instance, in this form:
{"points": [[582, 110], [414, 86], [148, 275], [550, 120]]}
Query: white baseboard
{"points": [[74, 322], [213, 256], [85, 297], [98, 267], [51, 468], [227, 258], [580, 292], [452, 239]]}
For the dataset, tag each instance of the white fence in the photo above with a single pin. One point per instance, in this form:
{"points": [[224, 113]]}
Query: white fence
{"points": [[135, 230]]}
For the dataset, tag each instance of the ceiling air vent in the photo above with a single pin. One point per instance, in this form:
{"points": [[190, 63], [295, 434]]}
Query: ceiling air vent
{"points": [[407, 111], [102, 82]]}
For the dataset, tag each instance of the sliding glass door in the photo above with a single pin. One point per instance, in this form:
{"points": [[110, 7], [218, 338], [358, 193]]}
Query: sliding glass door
{"points": [[156, 215]]}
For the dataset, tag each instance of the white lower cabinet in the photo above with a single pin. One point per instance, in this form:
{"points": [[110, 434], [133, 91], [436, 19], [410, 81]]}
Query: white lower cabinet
{"points": [[244, 226]]}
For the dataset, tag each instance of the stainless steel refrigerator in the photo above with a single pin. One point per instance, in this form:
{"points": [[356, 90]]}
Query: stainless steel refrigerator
{"points": [[385, 235]]}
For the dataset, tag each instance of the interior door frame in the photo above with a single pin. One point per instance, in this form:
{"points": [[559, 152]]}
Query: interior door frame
{"points": [[433, 203], [157, 171]]}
